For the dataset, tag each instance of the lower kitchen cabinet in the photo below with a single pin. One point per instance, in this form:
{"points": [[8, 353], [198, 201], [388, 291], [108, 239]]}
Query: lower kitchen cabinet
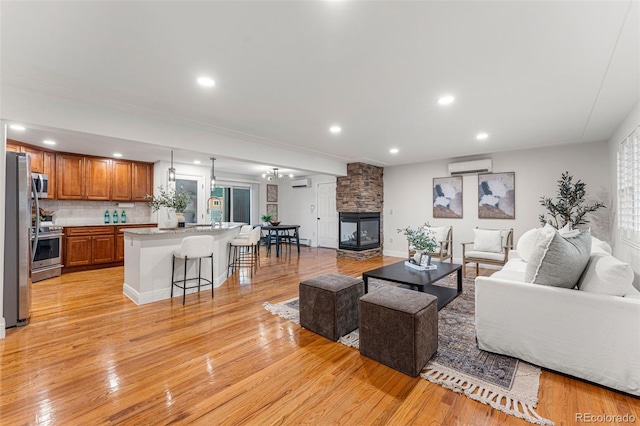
{"points": [[92, 247]]}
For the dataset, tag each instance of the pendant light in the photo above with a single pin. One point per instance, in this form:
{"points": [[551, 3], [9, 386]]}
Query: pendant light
{"points": [[172, 171], [213, 173]]}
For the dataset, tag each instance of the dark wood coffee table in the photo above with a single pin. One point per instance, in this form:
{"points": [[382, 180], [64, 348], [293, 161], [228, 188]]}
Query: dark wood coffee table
{"points": [[419, 280]]}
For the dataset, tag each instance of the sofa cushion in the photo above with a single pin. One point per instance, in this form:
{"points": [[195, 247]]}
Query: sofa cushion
{"points": [[484, 255], [526, 243], [558, 261], [600, 246], [487, 240], [605, 274]]}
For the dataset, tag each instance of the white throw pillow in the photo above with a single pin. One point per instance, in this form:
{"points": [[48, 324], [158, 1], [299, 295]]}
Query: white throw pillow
{"points": [[558, 261], [487, 240], [605, 274], [599, 245], [438, 232], [527, 242]]}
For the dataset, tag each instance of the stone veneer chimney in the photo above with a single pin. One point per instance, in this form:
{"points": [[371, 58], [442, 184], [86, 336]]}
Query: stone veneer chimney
{"points": [[361, 191]]}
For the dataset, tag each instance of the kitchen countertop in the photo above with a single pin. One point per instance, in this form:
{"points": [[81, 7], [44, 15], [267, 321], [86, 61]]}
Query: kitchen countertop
{"points": [[186, 230], [107, 224]]}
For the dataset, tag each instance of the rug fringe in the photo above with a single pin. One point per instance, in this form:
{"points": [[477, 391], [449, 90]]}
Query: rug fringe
{"points": [[283, 312], [481, 394]]}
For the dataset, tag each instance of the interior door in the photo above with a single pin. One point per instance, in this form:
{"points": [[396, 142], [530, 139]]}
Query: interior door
{"points": [[327, 216]]}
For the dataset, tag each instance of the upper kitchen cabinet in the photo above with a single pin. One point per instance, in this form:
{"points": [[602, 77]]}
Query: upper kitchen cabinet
{"points": [[142, 181], [36, 156], [121, 180], [98, 178], [50, 171], [12, 146], [70, 177]]}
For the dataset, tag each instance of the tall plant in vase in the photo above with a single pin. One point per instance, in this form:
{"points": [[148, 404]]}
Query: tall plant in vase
{"points": [[570, 208], [421, 240]]}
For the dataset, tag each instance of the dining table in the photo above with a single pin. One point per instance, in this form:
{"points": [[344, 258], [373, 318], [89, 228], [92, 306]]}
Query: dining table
{"points": [[276, 232]]}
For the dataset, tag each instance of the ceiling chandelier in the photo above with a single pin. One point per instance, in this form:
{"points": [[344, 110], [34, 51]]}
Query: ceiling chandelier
{"points": [[213, 173], [272, 175]]}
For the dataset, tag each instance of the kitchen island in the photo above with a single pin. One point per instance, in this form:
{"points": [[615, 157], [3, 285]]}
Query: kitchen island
{"points": [[148, 255]]}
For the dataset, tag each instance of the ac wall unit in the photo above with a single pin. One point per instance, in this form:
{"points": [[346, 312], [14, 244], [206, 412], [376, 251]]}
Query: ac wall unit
{"points": [[469, 167], [301, 183]]}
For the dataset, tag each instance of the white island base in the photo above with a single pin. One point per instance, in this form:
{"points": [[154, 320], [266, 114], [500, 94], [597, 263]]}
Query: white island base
{"points": [[148, 255]]}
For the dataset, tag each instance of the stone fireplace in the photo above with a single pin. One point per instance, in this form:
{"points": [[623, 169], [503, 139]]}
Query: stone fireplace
{"points": [[359, 200], [359, 231]]}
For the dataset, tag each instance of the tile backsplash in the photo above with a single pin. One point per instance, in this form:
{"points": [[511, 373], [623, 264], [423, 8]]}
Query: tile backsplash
{"points": [[79, 213]]}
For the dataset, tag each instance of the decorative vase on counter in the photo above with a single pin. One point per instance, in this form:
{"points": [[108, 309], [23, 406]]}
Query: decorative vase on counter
{"points": [[422, 258], [181, 219], [167, 218]]}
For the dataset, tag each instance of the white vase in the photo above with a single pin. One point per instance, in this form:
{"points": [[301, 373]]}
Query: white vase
{"points": [[167, 218]]}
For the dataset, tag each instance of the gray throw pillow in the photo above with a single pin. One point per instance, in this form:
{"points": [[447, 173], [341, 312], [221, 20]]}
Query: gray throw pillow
{"points": [[559, 261]]}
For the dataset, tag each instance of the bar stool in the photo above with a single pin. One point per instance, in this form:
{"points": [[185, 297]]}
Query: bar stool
{"points": [[245, 252], [196, 247]]}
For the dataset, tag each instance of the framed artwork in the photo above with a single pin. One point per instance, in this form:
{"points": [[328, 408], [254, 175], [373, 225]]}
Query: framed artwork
{"points": [[447, 197], [272, 209], [272, 193], [496, 195]]}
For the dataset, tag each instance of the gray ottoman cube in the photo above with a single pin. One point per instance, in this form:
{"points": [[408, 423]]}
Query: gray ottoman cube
{"points": [[329, 304], [399, 328]]}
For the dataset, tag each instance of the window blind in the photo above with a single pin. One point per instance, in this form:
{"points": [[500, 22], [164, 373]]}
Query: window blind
{"points": [[629, 186]]}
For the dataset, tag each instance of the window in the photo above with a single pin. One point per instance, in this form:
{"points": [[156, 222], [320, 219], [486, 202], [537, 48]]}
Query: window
{"points": [[629, 187], [237, 202]]}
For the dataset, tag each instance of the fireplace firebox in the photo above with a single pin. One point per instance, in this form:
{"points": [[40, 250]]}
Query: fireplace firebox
{"points": [[359, 231]]}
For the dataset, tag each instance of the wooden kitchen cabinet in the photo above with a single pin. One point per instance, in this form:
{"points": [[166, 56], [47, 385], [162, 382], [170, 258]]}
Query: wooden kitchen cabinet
{"points": [[36, 158], [12, 146], [141, 180], [77, 251], [121, 180], [102, 249], [98, 178], [70, 176], [89, 245], [50, 171]]}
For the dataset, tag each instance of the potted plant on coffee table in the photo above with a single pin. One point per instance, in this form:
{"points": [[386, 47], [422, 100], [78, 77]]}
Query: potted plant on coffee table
{"points": [[422, 241]]}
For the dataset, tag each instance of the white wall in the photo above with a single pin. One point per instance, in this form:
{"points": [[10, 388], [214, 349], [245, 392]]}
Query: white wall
{"points": [[621, 249], [408, 192], [295, 206]]}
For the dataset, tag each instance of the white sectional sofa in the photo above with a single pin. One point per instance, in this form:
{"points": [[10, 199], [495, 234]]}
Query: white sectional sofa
{"points": [[582, 332]]}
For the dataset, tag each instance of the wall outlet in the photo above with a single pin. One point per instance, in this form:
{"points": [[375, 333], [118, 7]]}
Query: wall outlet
{"points": [[390, 240], [391, 212]]}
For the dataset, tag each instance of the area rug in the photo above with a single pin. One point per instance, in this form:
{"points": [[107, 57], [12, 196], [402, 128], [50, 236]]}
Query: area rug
{"points": [[505, 383]]}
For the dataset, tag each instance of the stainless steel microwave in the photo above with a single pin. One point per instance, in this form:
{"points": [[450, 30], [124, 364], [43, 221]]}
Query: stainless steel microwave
{"points": [[40, 185]]}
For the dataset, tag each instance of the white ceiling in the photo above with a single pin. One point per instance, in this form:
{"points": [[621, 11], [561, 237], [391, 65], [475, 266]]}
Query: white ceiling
{"points": [[528, 73]]}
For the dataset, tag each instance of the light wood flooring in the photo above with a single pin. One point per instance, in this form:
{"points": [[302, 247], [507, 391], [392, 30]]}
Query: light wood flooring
{"points": [[91, 356]]}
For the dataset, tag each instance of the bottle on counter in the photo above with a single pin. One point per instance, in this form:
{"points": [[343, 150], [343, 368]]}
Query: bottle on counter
{"points": [[115, 216], [107, 219], [123, 217]]}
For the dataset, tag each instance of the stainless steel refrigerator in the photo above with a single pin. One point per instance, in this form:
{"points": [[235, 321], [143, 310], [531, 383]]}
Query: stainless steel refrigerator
{"points": [[17, 240]]}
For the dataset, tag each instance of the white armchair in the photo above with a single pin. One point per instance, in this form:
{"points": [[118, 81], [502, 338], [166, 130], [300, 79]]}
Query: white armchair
{"points": [[444, 239], [490, 246]]}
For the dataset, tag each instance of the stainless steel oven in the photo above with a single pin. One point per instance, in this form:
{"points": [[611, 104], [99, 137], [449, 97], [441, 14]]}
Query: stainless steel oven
{"points": [[47, 259]]}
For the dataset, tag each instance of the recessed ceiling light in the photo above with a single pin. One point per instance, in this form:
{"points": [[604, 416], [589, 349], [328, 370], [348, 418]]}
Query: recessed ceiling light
{"points": [[394, 150], [290, 175], [16, 127], [117, 154], [49, 142], [206, 82], [482, 136], [335, 129], [196, 161], [446, 100]]}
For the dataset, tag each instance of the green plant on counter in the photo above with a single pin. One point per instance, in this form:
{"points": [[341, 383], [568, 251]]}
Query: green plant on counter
{"points": [[178, 200], [266, 218]]}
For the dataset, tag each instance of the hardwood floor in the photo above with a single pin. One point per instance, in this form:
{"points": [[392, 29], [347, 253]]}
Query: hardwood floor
{"points": [[91, 356]]}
